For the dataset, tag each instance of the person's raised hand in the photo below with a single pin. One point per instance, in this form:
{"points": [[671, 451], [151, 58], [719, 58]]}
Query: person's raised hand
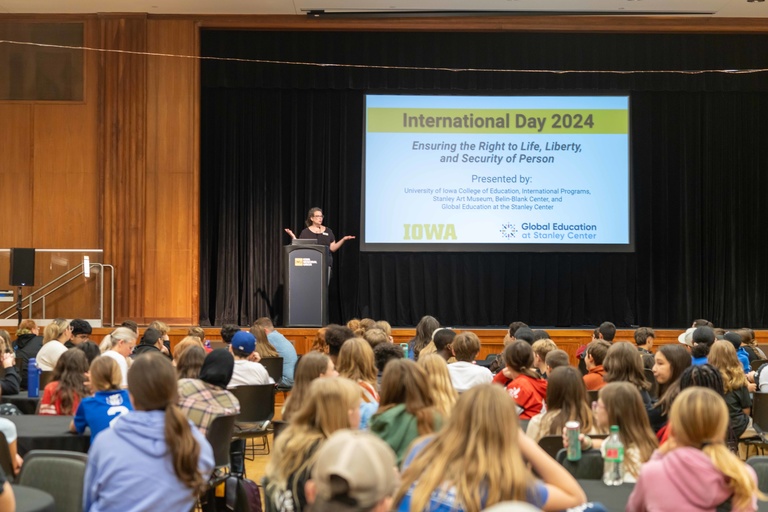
{"points": [[290, 233]]}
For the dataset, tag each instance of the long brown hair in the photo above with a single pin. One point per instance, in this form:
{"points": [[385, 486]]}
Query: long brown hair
{"points": [[309, 368], [424, 330], [263, 346], [404, 382], [481, 460], [723, 356], [152, 383], [679, 359], [623, 363], [518, 356], [105, 374], [625, 408], [566, 401], [70, 372], [699, 419], [190, 362], [325, 411], [356, 361]]}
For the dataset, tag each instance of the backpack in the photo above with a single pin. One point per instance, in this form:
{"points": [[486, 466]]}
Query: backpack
{"points": [[242, 495]]}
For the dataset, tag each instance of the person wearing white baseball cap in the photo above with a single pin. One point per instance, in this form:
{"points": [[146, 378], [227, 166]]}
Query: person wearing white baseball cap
{"points": [[355, 472]]}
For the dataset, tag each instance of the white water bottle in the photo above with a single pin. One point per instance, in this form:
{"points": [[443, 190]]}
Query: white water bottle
{"points": [[613, 460]]}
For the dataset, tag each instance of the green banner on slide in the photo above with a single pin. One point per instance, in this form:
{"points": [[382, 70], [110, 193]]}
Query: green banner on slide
{"points": [[499, 121]]}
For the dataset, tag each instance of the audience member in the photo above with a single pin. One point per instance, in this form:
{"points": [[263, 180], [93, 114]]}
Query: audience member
{"points": [[464, 372], [620, 403], [246, 373], [695, 470], [196, 332], [318, 344], [440, 386], [120, 344], [566, 401], [735, 385], [594, 356], [183, 346], [311, 366], [384, 326], [644, 337], [334, 337], [228, 331], [375, 337], [10, 384], [424, 330], [90, 349], [360, 327], [202, 399], [482, 448], [8, 428], [701, 322], [446, 335], [263, 346], [540, 334], [702, 339], [130, 324], [166, 340], [606, 331], [384, 353], [556, 359], [331, 405], [108, 402], [81, 332], [152, 341], [152, 459], [55, 335], [541, 348], [526, 387], [671, 362], [749, 343], [63, 394], [284, 347], [26, 345], [734, 339], [356, 363], [525, 334], [623, 364], [406, 410], [355, 472], [513, 327], [190, 362]]}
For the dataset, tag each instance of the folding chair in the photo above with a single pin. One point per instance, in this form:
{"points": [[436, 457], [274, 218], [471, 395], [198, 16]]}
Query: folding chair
{"points": [[589, 467], [274, 366], [66, 486], [257, 408]]}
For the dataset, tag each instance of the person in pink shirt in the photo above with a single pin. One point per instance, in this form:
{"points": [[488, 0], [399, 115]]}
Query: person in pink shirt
{"points": [[694, 470]]}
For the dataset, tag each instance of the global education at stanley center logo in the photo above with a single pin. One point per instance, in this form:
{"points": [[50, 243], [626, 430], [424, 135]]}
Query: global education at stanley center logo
{"points": [[508, 230]]}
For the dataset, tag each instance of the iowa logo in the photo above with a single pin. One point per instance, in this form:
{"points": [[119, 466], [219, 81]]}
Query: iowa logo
{"points": [[429, 232]]}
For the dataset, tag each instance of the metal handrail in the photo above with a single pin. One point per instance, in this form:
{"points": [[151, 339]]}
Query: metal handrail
{"points": [[100, 266]]}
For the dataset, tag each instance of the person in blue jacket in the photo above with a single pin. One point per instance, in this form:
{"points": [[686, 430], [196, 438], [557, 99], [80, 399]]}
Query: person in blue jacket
{"points": [[100, 411], [151, 458]]}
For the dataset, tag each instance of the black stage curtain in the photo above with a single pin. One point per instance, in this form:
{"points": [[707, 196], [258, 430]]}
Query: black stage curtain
{"points": [[278, 139]]}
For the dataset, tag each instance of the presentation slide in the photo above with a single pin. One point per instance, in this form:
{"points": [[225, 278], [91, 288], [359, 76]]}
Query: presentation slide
{"points": [[496, 173]]}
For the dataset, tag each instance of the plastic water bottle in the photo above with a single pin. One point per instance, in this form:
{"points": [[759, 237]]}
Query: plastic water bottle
{"points": [[33, 378], [613, 461]]}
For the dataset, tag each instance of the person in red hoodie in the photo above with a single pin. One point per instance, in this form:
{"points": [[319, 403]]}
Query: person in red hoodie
{"points": [[527, 388], [694, 470]]}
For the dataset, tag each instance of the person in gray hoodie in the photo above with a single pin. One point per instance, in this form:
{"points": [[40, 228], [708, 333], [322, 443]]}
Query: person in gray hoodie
{"points": [[154, 450], [694, 470]]}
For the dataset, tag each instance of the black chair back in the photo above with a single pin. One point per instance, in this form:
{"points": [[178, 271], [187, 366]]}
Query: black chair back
{"points": [[757, 363], [5, 458], [592, 396], [69, 470], [654, 391], [274, 366], [760, 464], [589, 467], [257, 403], [551, 444], [760, 412], [220, 436]]}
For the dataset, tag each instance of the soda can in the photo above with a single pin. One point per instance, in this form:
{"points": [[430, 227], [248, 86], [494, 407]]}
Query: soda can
{"points": [[572, 431]]}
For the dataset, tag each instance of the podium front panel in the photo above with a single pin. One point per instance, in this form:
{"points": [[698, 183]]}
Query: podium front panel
{"points": [[306, 285]]}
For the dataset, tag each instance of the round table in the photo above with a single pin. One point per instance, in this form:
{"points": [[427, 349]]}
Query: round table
{"points": [[29, 499], [22, 400], [48, 433]]}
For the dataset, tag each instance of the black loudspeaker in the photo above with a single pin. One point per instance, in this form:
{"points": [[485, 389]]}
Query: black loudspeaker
{"points": [[22, 267]]}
